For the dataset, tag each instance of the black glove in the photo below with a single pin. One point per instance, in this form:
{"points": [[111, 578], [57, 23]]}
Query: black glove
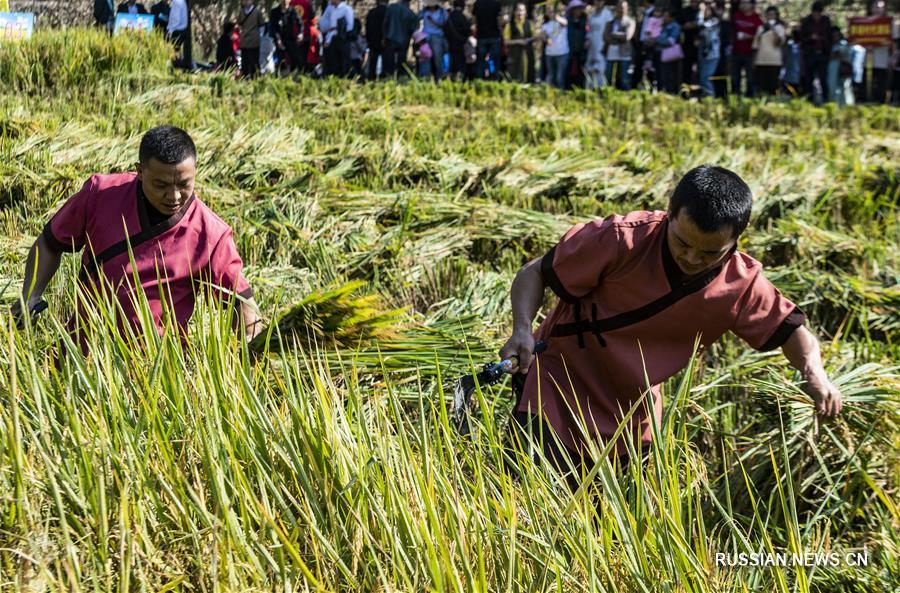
{"points": [[36, 310]]}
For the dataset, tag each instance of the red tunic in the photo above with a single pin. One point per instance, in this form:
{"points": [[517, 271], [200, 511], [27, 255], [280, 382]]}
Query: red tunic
{"points": [[174, 258], [611, 267]]}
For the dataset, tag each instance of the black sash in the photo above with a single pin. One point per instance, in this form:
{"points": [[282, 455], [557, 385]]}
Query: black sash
{"points": [[599, 326]]}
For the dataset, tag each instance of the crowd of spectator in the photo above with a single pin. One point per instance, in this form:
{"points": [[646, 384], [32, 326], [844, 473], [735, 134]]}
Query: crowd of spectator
{"points": [[704, 48]]}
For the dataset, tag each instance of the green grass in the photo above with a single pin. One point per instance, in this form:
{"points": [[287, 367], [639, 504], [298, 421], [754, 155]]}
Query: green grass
{"points": [[398, 215]]}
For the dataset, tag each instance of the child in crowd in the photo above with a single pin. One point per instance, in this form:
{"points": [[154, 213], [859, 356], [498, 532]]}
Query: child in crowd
{"points": [[359, 47], [423, 53], [227, 46], [470, 53], [313, 53]]}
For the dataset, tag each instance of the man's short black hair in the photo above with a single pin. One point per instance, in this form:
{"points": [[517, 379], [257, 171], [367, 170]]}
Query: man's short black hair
{"points": [[713, 197], [168, 145], [818, 7]]}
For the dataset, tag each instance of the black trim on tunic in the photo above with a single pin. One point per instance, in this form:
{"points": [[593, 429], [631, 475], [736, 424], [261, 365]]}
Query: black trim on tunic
{"points": [[552, 280], [57, 245], [795, 319]]}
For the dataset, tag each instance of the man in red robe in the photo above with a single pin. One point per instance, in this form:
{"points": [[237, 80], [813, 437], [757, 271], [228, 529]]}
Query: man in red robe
{"points": [[635, 294], [179, 246]]}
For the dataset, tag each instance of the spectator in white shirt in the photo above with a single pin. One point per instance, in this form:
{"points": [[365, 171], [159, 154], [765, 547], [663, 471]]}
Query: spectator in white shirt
{"points": [[769, 44], [337, 29], [555, 34], [179, 32]]}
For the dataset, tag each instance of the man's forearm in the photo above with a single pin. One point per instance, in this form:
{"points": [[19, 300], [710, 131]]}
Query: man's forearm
{"points": [[526, 295], [250, 319], [41, 265], [802, 351]]}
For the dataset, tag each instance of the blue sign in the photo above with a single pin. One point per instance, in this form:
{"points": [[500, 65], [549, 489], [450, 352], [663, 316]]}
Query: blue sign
{"points": [[133, 22], [15, 26]]}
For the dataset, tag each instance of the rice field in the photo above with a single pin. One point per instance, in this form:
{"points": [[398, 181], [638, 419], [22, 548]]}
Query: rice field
{"points": [[381, 227]]}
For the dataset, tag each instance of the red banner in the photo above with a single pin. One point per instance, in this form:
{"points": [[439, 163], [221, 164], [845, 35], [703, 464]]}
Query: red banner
{"points": [[870, 31]]}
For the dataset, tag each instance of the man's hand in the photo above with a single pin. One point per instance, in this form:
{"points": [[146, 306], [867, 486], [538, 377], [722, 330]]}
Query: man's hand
{"points": [[802, 351], [34, 305], [40, 266], [525, 297], [826, 396], [519, 348], [252, 323]]}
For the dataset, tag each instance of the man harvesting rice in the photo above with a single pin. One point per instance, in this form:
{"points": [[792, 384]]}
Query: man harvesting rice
{"points": [[177, 243], [635, 292]]}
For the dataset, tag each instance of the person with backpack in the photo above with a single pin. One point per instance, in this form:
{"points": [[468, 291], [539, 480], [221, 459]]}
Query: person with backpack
{"points": [[422, 52]]}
